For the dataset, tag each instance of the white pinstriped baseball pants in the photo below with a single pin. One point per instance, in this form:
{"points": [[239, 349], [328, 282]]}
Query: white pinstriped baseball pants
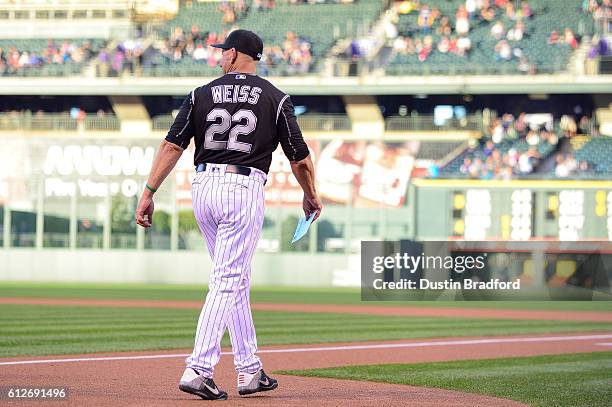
{"points": [[229, 209]]}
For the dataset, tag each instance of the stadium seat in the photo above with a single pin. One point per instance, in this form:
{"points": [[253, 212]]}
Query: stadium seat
{"points": [[548, 15]]}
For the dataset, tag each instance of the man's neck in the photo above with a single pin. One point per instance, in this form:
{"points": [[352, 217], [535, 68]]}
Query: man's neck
{"points": [[245, 68]]}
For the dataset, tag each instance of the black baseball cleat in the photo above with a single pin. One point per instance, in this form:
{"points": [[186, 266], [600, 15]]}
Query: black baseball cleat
{"points": [[256, 382], [193, 383]]}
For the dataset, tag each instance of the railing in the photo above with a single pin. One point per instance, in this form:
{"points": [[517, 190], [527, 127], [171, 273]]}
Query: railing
{"points": [[314, 122], [123, 240], [162, 122], [90, 240], [22, 239], [63, 9], [427, 123], [84, 240], [102, 123], [324, 122], [469, 69], [57, 121]]}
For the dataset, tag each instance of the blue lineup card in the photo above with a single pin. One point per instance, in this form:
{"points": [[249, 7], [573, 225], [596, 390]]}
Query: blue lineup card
{"points": [[302, 227]]}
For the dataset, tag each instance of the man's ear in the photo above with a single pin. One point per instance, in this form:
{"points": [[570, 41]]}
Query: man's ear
{"points": [[235, 57]]}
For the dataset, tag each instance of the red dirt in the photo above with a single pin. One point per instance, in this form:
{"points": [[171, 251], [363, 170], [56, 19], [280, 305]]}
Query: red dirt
{"points": [[154, 381], [424, 311]]}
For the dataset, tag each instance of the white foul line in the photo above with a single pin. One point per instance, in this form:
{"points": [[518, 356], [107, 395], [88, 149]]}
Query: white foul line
{"points": [[604, 344], [336, 348]]}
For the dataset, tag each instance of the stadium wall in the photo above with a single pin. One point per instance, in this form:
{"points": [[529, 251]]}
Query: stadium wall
{"points": [[129, 266], [322, 85]]}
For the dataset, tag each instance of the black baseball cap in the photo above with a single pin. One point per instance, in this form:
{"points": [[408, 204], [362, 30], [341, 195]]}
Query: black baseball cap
{"points": [[244, 41]]}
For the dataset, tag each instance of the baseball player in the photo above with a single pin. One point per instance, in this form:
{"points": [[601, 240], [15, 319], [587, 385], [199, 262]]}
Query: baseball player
{"points": [[236, 121]]}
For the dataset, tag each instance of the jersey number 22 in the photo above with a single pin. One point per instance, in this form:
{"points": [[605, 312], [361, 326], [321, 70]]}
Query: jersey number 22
{"points": [[232, 142]]}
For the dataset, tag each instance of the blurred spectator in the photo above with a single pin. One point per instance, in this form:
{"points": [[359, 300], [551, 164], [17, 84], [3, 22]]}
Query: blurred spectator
{"points": [[528, 160], [487, 159], [599, 47], [424, 20], [516, 32], [498, 133], [14, 60], [444, 27], [462, 24], [532, 138], [503, 51], [465, 167], [585, 125], [229, 15], [295, 55], [565, 165], [195, 33], [505, 19], [487, 13], [525, 10], [476, 167], [553, 38], [570, 39], [464, 44], [567, 124], [497, 30], [443, 45], [200, 54], [489, 148], [433, 170], [470, 7], [510, 14], [603, 10]]}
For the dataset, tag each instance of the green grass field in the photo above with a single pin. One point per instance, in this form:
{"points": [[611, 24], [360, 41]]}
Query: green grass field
{"points": [[266, 295], [44, 330], [583, 379], [571, 380]]}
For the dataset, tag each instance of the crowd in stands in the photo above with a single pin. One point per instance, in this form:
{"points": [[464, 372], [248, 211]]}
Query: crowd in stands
{"points": [[568, 38], [295, 52], [130, 55], [599, 47], [566, 164], [528, 145], [456, 39], [598, 8], [436, 33], [14, 60], [238, 9], [194, 46], [499, 164], [125, 56]]}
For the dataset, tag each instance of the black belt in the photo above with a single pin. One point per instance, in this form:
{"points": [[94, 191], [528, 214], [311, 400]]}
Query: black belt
{"points": [[234, 169]]}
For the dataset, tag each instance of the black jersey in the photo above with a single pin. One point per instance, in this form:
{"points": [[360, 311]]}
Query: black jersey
{"points": [[238, 119]]}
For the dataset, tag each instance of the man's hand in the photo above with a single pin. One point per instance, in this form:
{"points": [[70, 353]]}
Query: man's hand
{"points": [[311, 205], [144, 212], [165, 160], [304, 173]]}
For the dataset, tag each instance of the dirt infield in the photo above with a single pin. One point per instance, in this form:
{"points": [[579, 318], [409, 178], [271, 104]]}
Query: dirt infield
{"points": [[420, 311], [150, 378]]}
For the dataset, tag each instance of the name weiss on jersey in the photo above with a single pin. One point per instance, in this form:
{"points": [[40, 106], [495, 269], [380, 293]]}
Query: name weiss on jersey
{"points": [[235, 94]]}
